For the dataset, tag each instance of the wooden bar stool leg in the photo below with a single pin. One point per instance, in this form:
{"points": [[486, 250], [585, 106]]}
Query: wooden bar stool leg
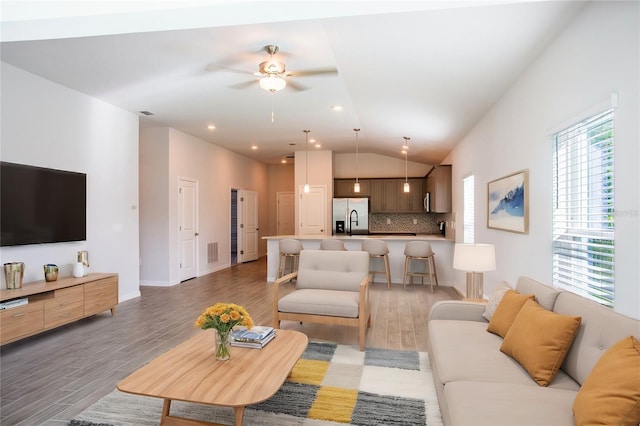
{"points": [[435, 274], [387, 270], [406, 269]]}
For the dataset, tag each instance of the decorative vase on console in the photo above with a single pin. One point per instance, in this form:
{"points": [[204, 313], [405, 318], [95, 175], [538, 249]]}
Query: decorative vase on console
{"points": [[78, 270]]}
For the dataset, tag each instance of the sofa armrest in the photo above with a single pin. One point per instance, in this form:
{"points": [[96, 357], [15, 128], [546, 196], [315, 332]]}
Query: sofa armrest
{"points": [[457, 310]]}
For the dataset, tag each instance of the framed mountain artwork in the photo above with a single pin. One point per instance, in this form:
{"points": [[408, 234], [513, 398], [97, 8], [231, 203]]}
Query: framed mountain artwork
{"points": [[508, 203]]}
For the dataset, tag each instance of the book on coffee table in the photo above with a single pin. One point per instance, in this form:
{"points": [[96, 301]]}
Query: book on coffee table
{"points": [[256, 337]]}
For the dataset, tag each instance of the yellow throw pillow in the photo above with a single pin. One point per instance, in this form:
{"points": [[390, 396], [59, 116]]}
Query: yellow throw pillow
{"points": [[539, 340], [611, 393], [506, 312]]}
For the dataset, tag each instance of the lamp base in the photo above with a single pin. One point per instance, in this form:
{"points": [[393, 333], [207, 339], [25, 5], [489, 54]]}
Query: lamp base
{"points": [[474, 285]]}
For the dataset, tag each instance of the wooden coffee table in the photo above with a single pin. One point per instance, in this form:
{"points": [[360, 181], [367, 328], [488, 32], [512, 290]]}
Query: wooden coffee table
{"points": [[189, 372]]}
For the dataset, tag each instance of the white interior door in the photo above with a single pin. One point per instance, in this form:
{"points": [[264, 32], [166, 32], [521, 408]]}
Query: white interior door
{"points": [[313, 211], [249, 225], [188, 228], [286, 213]]}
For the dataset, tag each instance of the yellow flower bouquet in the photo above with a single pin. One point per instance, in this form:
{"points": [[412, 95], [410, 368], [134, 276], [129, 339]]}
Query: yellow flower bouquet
{"points": [[223, 317]]}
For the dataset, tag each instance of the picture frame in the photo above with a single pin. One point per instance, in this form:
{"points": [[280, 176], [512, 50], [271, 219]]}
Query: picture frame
{"points": [[508, 203]]}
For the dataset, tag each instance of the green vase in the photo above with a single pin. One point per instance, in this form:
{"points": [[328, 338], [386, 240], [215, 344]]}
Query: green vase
{"points": [[223, 345]]}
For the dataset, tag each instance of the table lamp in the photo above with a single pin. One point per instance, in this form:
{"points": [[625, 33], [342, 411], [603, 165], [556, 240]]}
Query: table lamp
{"points": [[475, 259]]}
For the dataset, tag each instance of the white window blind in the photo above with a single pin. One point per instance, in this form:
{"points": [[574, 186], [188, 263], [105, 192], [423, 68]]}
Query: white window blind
{"points": [[583, 225], [468, 217]]}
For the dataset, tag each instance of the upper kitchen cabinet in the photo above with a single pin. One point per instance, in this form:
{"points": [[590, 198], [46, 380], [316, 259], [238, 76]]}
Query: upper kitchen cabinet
{"points": [[438, 183], [384, 195], [344, 188], [412, 201]]}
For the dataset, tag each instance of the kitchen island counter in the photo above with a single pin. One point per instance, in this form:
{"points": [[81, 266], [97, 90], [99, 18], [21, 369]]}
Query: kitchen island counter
{"points": [[442, 247]]}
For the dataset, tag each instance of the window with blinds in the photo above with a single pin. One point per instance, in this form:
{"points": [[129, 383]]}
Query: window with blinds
{"points": [[468, 217], [583, 225]]}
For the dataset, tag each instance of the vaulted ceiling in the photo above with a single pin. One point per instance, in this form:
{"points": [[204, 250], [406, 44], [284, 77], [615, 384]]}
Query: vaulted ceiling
{"points": [[429, 70]]}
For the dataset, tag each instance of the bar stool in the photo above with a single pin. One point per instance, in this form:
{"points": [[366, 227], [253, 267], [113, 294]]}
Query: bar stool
{"points": [[289, 251], [420, 250], [378, 249], [332, 244]]}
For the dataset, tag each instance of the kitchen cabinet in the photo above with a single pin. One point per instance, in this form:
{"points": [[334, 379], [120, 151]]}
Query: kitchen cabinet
{"points": [[384, 195], [344, 188], [412, 201], [438, 185]]}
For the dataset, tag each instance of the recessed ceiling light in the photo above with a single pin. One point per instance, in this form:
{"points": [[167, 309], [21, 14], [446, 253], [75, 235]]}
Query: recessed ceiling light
{"points": [[312, 140], [318, 145], [403, 151], [283, 161], [336, 108], [254, 146], [211, 127]]}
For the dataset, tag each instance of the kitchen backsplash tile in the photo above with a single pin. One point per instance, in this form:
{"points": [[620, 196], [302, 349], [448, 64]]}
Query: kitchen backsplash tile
{"points": [[426, 223]]}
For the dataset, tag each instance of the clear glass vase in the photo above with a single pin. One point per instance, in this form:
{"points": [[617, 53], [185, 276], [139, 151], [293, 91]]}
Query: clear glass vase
{"points": [[223, 345]]}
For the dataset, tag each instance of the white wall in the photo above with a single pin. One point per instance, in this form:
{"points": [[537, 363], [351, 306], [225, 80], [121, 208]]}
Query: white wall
{"points": [[46, 124], [596, 55], [376, 166], [217, 171]]}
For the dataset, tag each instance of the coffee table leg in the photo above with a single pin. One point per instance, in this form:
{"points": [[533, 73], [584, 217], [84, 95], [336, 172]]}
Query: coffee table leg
{"points": [[165, 410], [239, 415]]}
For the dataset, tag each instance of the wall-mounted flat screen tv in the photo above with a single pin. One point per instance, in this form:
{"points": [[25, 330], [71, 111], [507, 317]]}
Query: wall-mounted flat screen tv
{"points": [[40, 205]]}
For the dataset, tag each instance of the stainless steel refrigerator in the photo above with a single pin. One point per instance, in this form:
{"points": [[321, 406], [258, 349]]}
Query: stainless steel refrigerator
{"points": [[350, 216]]}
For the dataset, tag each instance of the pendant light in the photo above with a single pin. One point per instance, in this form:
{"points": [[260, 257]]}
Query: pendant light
{"points": [[356, 185], [306, 161], [406, 187]]}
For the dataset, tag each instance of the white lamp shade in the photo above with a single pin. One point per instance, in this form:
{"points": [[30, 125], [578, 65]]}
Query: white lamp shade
{"points": [[474, 257], [272, 83], [356, 187]]}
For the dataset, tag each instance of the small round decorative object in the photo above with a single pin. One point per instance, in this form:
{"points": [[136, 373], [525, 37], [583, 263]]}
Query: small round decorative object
{"points": [[223, 345], [50, 272], [78, 270]]}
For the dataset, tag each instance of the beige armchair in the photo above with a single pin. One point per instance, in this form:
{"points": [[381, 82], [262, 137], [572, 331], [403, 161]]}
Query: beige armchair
{"points": [[332, 287]]}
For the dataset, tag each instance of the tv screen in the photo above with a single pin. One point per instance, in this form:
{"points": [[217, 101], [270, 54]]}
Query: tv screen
{"points": [[40, 205]]}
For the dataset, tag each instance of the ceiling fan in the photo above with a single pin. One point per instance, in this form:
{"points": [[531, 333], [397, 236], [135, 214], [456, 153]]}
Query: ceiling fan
{"points": [[273, 72]]}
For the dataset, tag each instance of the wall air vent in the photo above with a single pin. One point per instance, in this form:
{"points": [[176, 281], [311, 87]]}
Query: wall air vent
{"points": [[145, 112]]}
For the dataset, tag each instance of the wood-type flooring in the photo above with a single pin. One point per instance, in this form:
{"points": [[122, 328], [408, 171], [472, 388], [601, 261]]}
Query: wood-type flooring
{"points": [[49, 378]]}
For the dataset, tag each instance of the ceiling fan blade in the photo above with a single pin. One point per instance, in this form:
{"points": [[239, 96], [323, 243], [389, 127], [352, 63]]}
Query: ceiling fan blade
{"points": [[295, 86], [306, 73], [243, 85]]}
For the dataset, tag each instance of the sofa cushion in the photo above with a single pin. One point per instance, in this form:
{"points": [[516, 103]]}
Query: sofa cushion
{"points": [[332, 270], [600, 329], [507, 404], [611, 393], [463, 350], [321, 302], [495, 300], [539, 340], [506, 312]]}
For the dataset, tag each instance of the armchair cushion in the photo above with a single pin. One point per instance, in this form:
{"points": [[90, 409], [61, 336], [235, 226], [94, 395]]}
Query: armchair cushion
{"points": [[321, 302], [332, 270]]}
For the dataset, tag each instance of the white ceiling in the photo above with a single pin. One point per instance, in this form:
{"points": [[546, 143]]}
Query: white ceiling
{"points": [[429, 70]]}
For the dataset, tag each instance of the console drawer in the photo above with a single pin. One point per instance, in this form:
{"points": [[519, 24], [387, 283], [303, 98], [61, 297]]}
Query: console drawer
{"points": [[100, 295], [67, 305], [21, 321]]}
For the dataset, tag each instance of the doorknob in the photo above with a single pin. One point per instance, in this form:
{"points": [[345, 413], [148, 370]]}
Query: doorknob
{"points": [[196, 234]]}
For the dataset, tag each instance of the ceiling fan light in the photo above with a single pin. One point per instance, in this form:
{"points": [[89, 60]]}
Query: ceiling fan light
{"points": [[272, 83]]}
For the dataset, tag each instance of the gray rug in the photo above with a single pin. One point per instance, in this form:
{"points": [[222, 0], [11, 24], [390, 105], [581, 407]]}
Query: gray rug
{"points": [[330, 385]]}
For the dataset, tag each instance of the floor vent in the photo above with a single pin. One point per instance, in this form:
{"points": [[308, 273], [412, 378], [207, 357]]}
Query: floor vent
{"points": [[212, 252]]}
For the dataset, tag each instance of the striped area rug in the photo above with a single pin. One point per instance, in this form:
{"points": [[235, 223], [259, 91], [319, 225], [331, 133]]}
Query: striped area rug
{"points": [[330, 385]]}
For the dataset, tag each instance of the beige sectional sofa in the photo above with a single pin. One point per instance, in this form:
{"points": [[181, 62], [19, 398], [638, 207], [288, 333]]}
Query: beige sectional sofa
{"points": [[477, 384]]}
